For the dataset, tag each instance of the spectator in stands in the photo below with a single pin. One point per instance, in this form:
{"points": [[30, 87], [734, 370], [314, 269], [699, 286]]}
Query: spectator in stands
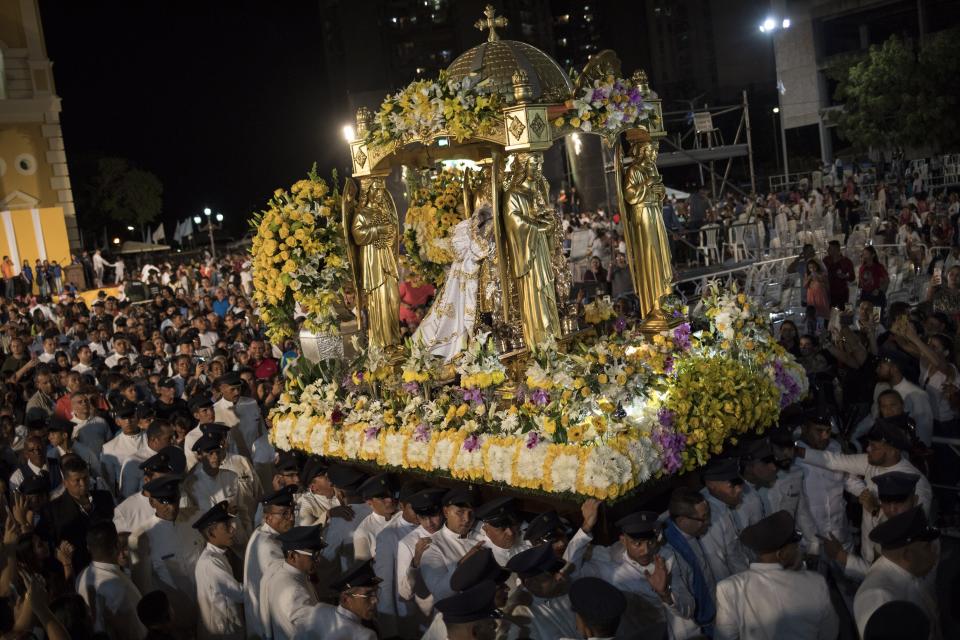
{"points": [[873, 278], [840, 272]]}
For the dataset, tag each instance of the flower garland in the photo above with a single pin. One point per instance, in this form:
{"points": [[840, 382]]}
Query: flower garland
{"points": [[434, 211], [299, 258], [425, 108], [597, 420], [607, 106]]}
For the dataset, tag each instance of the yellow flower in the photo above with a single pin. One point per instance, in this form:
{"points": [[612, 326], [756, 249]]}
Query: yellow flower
{"points": [[462, 410], [602, 378]]}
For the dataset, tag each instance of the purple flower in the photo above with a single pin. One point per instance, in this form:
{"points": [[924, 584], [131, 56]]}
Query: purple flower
{"points": [[348, 382], [471, 443], [668, 365], [371, 432], [666, 417], [533, 439], [635, 96], [620, 324], [472, 395], [422, 432], [789, 389], [672, 445], [540, 397], [681, 336], [411, 387]]}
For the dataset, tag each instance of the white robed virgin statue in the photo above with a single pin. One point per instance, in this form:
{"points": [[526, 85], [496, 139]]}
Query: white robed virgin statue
{"points": [[446, 329]]}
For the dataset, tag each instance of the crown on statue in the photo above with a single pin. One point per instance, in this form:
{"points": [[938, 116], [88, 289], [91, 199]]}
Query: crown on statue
{"points": [[364, 120], [640, 80], [522, 89]]}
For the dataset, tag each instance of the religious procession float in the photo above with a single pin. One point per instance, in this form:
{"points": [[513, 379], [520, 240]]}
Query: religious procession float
{"points": [[507, 382]]}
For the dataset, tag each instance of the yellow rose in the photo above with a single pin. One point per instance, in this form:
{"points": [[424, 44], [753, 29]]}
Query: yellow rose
{"points": [[602, 378]]}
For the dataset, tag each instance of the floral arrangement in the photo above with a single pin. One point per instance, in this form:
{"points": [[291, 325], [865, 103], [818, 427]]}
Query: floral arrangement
{"points": [[599, 311], [596, 420], [299, 258], [607, 106], [461, 109], [434, 211]]}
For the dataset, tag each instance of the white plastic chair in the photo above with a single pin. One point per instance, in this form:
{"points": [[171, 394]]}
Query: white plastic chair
{"points": [[736, 243], [708, 244]]}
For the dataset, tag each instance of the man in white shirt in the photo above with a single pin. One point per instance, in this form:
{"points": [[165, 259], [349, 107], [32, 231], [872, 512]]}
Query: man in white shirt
{"points": [[159, 435], [134, 512], [263, 553], [724, 494], [235, 410], [916, 402], [471, 614], [84, 360], [164, 552], [49, 353], [218, 574], [121, 351], [292, 598], [378, 493], [89, 428], [451, 543], [500, 528], [549, 614], [110, 594], [35, 456], [886, 441], [775, 597], [319, 495], [128, 443], [338, 533], [359, 591], [412, 593], [909, 555], [209, 483]]}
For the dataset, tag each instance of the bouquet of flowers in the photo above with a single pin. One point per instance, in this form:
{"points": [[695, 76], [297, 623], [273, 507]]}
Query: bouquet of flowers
{"points": [[299, 258], [434, 211], [609, 105]]}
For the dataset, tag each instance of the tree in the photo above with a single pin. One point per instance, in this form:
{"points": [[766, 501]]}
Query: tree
{"points": [[894, 96], [115, 189]]}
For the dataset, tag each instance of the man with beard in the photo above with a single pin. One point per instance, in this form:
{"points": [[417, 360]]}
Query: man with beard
{"points": [[774, 598]]}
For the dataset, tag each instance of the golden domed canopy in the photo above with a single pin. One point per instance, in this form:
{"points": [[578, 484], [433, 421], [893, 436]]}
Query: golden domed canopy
{"points": [[494, 63]]}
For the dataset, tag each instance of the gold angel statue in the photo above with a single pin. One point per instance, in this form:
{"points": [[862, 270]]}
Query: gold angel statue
{"points": [[371, 229]]}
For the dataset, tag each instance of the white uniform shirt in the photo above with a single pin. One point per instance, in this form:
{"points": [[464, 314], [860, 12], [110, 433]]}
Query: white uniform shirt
{"points": [[92, 433], [721, 542], [263, 554], [786, 494], [112, 598], [410, 584], [547, 619], [117, 451], [133, 513], [291, 603], [916, 404], [768, 602], [338, 535], [244, 414], [205, 490], [334, 623], [163, 556], [390, 607], [365, 536], [219, 596], [131, 476], [887, 581], [828, 508], [313, 508], [933, 385], [441, 558], [857, 465]]}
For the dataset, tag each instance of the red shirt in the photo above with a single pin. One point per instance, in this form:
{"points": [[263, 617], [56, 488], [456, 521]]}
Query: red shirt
{"points": [[839, 274], [266, 368], [872, 276]]}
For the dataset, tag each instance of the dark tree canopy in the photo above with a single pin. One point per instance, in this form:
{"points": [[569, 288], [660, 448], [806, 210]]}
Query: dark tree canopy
{"points": [[112, 189]]}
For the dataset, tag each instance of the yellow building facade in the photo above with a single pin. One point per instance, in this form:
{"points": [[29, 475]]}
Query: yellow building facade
{"points": [[37, 217]]}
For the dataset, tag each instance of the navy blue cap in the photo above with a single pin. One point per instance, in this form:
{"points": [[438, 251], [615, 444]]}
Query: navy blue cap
{"points": [[410, 488], [302, 539], [231, 379], [896, 620], [217, 513], [642, 524], [126, 410], [544, 527], [460, 496], [896, 357], [428, 501], [476, 603], [896, 486], [534, 561], [758, 450], [170, 459], [287, 462], [596, 600], [477, 568], [207, 442], [361, 575], [215, 429], [344, 477], [282, 497], [60, 424], [902, 529], [499, 512], [378, 486], [891, 431], [771, 533], [167, 383], [165, 489], [722, 469], [145, 410], [314, 466], [199, 401]]}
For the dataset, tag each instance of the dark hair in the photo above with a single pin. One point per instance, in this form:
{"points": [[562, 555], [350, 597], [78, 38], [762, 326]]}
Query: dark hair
{"points": [[154, 609], [71, 611], [683, 502], [155, 430], [73, 464], [601, 628], [102, 537], [890, 392]]}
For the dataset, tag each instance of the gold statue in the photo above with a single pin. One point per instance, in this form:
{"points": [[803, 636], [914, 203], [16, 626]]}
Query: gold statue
{"points": [[648, 247], [529, 225], [371, 229]]}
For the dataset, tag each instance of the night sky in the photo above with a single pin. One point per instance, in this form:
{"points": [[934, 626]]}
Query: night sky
{"points": [[224, 101]]}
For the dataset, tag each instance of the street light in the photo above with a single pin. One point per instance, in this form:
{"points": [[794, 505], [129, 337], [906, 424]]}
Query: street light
{"points": [[116, 241], [129, 227], [196, 220], [219, 217], [771, 25], [349, 133], [207, 212]]}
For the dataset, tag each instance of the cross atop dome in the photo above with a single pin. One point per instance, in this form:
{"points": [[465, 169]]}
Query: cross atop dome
{"points": [[491, 22]]}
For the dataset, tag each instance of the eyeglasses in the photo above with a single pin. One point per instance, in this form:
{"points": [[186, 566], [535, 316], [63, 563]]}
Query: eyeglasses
{"points": [[375, 593]]}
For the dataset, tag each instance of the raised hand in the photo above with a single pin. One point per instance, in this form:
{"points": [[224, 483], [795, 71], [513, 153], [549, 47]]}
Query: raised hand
{"points": [[660, 578], [418, 550], [590, 511]]}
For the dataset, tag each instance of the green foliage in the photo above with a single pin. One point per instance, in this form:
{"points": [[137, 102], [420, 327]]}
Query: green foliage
{"points": [[895, 96], [113, 188]]}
